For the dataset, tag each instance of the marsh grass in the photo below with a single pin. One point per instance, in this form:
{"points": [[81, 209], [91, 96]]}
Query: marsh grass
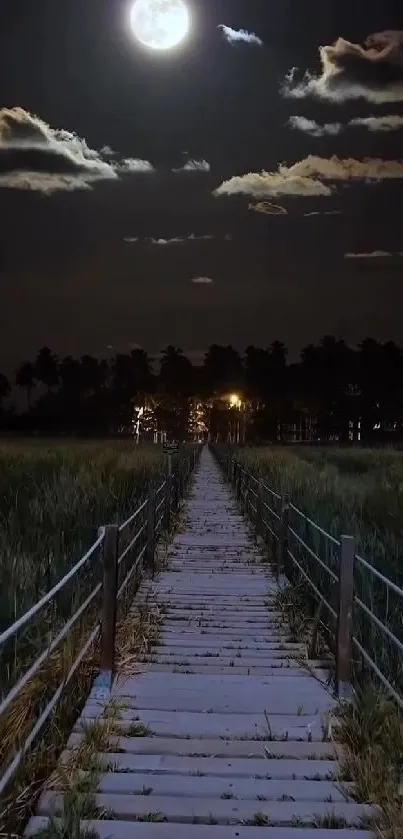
{"points": [[371, 733], [345, 491], [52, 500], [369, 730]]}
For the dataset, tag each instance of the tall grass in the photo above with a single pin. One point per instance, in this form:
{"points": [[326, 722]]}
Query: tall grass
{"points": [[356, 493], [53, 497]]}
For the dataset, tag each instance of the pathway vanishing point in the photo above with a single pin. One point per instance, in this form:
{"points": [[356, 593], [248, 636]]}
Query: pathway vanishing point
{"points": [[236, 738]]}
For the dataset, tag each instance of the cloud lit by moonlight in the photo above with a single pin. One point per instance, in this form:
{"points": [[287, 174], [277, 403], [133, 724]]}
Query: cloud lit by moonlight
{"points": [[160, 24]]}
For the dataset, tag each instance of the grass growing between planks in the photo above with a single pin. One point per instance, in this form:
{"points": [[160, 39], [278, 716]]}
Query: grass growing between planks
{"points": [[369, 730], [77, 780]]}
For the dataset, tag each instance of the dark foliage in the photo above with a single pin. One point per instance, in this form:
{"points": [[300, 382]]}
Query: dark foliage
{"points": [[333, 392]]}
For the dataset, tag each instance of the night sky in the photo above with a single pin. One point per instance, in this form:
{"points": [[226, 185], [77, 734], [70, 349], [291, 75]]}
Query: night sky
{"points": [[93, 125]]}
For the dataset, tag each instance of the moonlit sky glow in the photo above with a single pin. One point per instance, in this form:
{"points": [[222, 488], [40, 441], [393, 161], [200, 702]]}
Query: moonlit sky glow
{"points": [[160, 24], [199, 193]]}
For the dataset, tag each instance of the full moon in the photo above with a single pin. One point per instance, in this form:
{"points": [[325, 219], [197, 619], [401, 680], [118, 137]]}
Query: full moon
{"points": [[160, 24]]}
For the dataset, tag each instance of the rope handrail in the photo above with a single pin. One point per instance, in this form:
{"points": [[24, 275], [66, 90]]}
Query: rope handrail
{"points": [[315, 525], [313, 554], [16, 762], [374, 667], [31, 672], [375, 573], [309, 581], [27, 616], [382, 626], [130, 545], [134, 515]]}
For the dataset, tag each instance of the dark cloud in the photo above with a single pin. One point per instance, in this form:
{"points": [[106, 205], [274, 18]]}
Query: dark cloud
{"points": [[34, 156], [389, 122], [310, 177], [268, 209], [270, 184], [373, 71], [369, 255]]}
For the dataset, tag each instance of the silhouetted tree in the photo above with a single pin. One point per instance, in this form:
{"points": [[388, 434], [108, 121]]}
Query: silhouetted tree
{"points": [[223, 369], [46, 368], [25, 378], [5, 388], [176, 373], [332, 392]]}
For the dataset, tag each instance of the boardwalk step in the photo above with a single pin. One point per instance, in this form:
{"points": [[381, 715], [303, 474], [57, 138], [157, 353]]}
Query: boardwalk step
{"points": [[275, 769], [220, 748], [219, 811], [198, 668], [125, 830]]}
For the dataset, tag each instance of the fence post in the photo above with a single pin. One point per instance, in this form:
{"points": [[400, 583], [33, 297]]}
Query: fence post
{"points": [[168, 495], [150, 552], [239, 484], [345, 617], [282, 562], [259, 511], [109, 605]]}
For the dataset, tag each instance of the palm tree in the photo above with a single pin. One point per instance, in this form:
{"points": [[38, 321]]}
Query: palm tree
{"points": [[176, 372], [4, 388], [47, 368], [25, 378]]}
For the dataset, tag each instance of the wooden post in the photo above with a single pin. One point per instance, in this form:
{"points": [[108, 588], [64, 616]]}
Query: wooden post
{"points": [[109, 606], [168, 494], [150, 552], [239, 484], [283, 535], [345, 617], [259, 510]]}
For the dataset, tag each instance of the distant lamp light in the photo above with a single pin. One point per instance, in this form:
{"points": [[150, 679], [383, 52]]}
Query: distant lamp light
{"points": [[235, 401]]}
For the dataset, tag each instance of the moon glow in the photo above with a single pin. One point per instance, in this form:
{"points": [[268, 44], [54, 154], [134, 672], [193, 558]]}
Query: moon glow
{"points": [[160, 24]]}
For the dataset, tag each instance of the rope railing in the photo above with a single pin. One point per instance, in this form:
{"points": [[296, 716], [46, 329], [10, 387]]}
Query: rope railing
{"points": [[338, 578], [124, 550]]}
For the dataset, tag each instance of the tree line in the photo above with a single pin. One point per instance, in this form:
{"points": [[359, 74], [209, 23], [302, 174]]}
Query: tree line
{"points": [[332, 391]]}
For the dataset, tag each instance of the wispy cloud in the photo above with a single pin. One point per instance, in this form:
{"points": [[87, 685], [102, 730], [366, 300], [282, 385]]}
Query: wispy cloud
{"points": [[323, 213], [175, 240], [269, 209], [194, 166], [180, 240], [373, 71], [309, 126], [391, 122], [370, 255], [34, 156], [233, 36], [202, 280]]}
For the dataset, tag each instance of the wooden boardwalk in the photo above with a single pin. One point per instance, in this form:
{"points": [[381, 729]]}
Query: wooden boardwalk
{"points": [[237, 726]]}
